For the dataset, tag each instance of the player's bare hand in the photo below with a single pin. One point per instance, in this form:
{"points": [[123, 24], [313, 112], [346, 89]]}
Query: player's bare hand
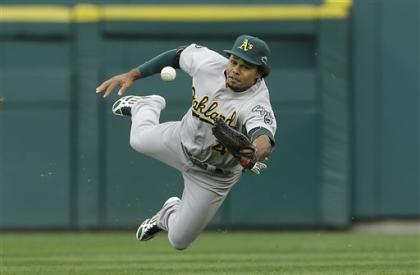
{"points": [[122, 81]]}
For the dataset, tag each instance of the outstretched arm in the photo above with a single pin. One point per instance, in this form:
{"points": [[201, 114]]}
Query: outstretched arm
{"points": [[151, 67]]}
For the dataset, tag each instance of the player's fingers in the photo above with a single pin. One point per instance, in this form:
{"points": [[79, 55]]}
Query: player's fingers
{"points": [[123, 89], [103, 86], [110, 88], [100, 88]]}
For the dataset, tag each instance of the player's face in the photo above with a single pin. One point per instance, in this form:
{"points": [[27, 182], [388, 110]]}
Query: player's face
{"points": [[240, 75]]}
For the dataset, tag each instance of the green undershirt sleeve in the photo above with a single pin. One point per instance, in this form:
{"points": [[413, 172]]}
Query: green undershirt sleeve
{"points": [[259, 131], [155, 65]]}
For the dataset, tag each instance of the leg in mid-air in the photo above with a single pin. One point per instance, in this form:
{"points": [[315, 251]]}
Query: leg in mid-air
{"points": [[147, 135], [203, 193], [185, 219]]}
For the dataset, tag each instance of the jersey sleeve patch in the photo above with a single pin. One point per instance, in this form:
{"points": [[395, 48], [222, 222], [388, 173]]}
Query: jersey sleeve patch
{"points": [[266, 114]]}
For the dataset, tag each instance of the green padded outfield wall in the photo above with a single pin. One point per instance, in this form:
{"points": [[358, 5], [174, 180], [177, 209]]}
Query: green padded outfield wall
{"points": [[386, 109], [35, 135], [66, 162]]}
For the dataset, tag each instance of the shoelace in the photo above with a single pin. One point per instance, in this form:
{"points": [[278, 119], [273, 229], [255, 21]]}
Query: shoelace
{"points": [[148, 226], [150, 223]]}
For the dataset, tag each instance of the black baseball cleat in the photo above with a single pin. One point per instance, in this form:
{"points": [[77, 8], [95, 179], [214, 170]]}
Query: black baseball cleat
{"points": [[122, 107], [148, 229]]}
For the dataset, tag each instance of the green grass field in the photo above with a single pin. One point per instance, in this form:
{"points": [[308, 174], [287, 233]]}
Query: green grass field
{"points": [[213, 253]]}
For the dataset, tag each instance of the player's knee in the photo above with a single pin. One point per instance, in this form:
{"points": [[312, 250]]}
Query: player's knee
{"points": [[178, 242], [137, 143], [179, 245]]}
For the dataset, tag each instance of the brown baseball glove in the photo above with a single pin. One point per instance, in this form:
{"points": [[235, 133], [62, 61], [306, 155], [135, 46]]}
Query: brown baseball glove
{"points": [[235, 142]]}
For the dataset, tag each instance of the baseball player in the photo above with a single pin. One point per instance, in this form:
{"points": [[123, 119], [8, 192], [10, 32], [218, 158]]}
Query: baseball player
{"points": [[230, 88]]}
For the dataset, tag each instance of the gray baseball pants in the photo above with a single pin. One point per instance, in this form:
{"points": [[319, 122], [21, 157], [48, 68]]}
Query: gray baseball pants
{"points": [[203, 193]]}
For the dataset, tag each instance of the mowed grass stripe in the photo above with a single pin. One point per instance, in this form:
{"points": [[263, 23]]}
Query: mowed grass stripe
{"points": [[206, 269], [212, 253], [262, 257], [219, 269]]}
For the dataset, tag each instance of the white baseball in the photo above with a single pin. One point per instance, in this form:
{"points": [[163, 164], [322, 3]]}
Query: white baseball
{"points": [[168, 73]]}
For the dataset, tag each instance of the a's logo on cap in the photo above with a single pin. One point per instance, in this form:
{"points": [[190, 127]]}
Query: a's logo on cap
{"points": [[246, 46], [264, 59]]}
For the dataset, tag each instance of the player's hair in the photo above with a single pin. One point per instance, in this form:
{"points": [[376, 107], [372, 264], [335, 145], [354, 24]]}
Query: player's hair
{"points": [[264, 70]]}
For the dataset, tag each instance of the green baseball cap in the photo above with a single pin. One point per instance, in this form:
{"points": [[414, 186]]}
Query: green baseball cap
{"points": [[253, 50]]}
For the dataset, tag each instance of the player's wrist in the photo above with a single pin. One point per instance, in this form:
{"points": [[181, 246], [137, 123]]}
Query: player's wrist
{"points": [[134, 74]]}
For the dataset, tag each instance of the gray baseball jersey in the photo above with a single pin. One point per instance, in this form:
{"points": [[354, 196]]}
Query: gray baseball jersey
{"points": [[211, 98]]}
